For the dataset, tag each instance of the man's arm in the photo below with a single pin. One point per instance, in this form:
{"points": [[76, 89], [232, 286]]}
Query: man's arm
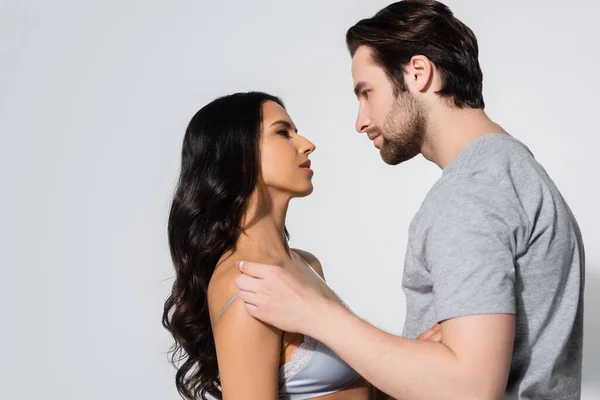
{"points": [[472, 362], [467, 242], [433, 334], [451, 342]]}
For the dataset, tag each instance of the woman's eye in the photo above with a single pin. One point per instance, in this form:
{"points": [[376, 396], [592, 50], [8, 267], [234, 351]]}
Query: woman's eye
{"points": [[284, 133]]}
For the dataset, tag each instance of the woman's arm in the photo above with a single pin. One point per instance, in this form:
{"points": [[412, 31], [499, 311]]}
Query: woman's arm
{"points": [[248, 353], [248, 350]]}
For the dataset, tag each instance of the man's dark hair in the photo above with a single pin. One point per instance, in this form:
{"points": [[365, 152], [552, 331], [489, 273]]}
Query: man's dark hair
{"points": [[428, 28]]}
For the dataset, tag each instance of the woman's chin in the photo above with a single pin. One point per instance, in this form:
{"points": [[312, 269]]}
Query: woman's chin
{"points": [[304, 192]]}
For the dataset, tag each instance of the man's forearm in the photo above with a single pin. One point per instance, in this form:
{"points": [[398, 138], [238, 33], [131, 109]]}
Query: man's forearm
{"points": [[403, 368]]}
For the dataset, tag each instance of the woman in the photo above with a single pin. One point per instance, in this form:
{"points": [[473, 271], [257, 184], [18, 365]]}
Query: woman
{"points": [[242, 162]]}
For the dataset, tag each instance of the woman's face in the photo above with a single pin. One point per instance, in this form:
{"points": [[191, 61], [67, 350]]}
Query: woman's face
{"points": [[285, 167]]}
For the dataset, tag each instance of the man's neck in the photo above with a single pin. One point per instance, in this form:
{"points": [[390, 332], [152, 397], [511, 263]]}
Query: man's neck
{"points": [[450, 130]]}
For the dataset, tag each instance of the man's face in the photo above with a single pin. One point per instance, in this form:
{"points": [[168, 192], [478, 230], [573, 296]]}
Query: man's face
{"points": [[395, 124]]}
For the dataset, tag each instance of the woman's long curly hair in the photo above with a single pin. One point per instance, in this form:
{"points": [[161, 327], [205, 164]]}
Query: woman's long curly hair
{"points": [[219, 171]]}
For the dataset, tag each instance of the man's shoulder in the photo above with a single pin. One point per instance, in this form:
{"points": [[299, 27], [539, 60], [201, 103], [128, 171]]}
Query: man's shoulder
{"points": [[472, 196], [493, 165]]}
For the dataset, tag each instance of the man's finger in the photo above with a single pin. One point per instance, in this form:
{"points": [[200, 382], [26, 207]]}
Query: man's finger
{"points": [[252, 310], [248, 298], [425, 335], [254, 269], [436, 337], [428, 334], [247, 283]]}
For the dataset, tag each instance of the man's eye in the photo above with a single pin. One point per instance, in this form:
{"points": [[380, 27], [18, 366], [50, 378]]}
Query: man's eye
{"points": [[366, 93]]}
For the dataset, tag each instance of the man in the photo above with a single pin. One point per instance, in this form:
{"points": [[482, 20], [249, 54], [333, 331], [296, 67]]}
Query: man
{"points": [[495, 256]]}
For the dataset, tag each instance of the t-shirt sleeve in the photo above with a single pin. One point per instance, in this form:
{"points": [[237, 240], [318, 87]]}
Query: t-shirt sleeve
{"points": [[469, 246]]}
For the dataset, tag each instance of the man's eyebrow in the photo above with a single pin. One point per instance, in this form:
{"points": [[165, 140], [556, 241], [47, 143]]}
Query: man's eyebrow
{"points": [[359, 87], [285, 123]]}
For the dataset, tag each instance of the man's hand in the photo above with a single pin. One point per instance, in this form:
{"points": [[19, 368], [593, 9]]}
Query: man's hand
{"points": [[289, 302]]}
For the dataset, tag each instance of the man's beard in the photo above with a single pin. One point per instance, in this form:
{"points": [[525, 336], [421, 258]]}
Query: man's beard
{"points": [[402, 131]]}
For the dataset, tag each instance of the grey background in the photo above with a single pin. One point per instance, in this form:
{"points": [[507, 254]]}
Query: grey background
{"points": [[94, 100]]}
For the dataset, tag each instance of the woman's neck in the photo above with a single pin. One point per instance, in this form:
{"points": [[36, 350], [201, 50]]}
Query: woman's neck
{"points": [[263, 231]]}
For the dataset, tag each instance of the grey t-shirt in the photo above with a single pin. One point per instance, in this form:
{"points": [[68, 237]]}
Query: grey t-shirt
{"points": [[494, 235]]}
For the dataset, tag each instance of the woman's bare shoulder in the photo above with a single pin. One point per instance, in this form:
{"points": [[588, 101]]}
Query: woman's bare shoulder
{"points": [[311, 260]]}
